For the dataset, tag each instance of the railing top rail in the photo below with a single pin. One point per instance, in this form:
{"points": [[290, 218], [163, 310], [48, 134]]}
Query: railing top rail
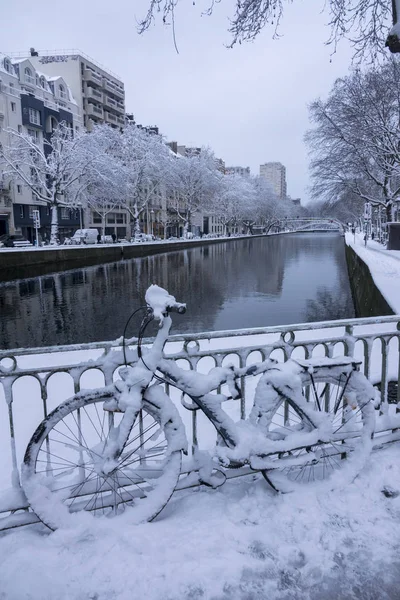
{"points": [[106, 345]]}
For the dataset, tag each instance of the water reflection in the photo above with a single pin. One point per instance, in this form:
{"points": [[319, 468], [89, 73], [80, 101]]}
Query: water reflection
{"points": [[243, 283]]}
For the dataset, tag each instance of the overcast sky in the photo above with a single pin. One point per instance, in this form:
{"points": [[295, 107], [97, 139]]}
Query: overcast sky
{"points": [[249, 104]]}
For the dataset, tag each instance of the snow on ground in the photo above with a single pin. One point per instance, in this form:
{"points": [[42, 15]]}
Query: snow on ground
{"points": [[238, 542], [384, 266]]}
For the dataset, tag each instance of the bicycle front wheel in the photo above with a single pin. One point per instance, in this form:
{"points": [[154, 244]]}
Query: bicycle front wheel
{"points": [[345, 400], [62, 475]]}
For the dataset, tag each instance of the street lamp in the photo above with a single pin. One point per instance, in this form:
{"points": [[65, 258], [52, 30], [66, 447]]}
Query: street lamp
{"points": [[80, 215], [151, 220]]}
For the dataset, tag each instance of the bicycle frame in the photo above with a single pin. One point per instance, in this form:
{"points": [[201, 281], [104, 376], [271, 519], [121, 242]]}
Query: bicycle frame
{"points": [[137, 378]]}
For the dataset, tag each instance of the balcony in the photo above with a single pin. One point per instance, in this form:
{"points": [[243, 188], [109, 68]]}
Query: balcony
{"points": [[95, 111], [95, 94], [7, 89], [110, 102], [120, 121], [29, 80], [110, 118], [112, 87], [91, 76]]}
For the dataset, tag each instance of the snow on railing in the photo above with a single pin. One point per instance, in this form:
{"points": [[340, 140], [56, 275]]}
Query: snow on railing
{"points": [[34, 381]]}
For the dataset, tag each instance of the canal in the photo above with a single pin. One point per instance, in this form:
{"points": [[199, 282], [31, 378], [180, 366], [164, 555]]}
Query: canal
{"points": [[254, 282]]}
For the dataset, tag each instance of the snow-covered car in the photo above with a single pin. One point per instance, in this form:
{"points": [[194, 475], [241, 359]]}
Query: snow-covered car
{"points": [[106, 239], [85, 236], [14, 241], [142, 237]]}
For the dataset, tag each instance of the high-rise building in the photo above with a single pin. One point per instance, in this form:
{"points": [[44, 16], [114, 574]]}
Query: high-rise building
{"points": [[99, 93], [243, 171], [275, 174]]}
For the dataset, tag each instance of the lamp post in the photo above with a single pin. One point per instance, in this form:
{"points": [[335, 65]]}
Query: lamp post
{"points": [[151, 220], [80, 215]]}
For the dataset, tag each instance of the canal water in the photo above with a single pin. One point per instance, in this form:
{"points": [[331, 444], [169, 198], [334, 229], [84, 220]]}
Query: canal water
{"points": [[254, 282]]}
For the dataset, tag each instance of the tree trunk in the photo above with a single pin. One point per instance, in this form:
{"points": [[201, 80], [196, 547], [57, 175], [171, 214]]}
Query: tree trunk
{"points": [[389, 212], [54, 241]]}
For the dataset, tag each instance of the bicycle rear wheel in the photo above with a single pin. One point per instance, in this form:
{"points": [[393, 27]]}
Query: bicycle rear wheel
{"points": [[61, 473], [345, 400]]}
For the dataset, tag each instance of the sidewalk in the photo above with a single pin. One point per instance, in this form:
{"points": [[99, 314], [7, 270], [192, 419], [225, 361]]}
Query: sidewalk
{"points": [[384, 266]]}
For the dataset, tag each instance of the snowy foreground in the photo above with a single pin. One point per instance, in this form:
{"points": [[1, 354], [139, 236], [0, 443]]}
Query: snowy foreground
{"points": [[238, 542]]}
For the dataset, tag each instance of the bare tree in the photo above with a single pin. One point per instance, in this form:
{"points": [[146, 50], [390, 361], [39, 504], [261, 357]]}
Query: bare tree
{"points": [[355, 145], [53, 172], [364, 22]]}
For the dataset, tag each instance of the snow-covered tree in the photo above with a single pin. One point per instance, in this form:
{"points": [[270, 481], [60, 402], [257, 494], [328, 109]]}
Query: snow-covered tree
{"points": [[53, 172], [355, 144], [102, 188], [192, 186], [364, 22], [146, 160], [235, 199]]}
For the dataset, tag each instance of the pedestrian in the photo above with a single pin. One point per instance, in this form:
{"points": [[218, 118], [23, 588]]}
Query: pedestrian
{"points": [[114, 238], [98, 238]]}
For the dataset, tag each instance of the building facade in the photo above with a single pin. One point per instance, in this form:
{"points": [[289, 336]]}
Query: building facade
{"points": [[242, 171], [100, 94], [31, 103], [275, 174]]}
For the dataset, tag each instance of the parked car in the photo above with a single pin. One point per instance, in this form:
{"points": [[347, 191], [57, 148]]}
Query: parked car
{"points": [[85, 236], [143, 237], [14, 241], [106, 239]]}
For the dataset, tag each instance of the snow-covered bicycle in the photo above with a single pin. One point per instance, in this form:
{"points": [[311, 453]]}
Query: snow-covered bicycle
{"points": [[118, 449]]}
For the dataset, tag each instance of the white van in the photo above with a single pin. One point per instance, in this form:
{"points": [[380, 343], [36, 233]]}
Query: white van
{"points": [[85, 236]]}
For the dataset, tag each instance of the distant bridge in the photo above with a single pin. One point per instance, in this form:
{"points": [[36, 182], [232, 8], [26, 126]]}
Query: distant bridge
{"points": [[310, 224]]}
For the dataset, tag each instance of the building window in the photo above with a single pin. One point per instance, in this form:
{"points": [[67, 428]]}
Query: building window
{"points": [[35, 135], [28, 76], [111, 218], [13, 107], [19, 189], [34, 116], [96, 219], [21, 211], [7, 65], [65, 214], [43, 82], [62, 92], [120, 218]]}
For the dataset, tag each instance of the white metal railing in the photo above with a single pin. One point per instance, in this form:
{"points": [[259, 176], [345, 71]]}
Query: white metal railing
{"points": [[28, 377]]}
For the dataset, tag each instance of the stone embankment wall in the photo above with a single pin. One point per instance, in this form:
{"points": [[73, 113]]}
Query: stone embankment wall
{"points": [[20, 264], [368, 300]]}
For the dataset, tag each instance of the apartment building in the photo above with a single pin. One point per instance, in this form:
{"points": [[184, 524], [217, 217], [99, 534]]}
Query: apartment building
{"points": [[275, 174], [32, 103], [100, 94], [242, 171]]}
